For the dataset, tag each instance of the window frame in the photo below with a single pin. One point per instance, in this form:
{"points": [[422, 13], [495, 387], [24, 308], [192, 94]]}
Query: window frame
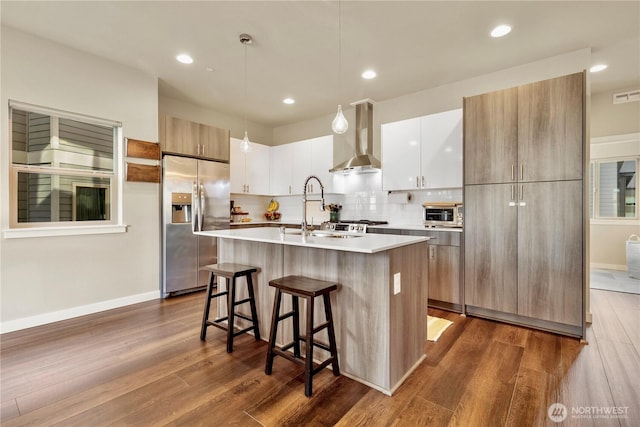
{"points": [[56, 228], [595, 190]]}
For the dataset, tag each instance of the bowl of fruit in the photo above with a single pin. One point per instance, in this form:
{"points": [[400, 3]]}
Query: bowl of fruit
{"points": [[272, 213]]}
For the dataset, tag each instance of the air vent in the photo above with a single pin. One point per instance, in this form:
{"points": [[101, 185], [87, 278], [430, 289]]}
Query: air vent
{"points": [[623, 97]]}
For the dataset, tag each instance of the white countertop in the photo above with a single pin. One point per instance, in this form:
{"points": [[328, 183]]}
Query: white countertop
{"points": [[366, 243]]}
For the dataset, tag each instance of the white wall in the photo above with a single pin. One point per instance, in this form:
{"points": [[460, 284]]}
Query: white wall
{"points": [[609, 119], [50, 278], [442, 98], [184, 110]]}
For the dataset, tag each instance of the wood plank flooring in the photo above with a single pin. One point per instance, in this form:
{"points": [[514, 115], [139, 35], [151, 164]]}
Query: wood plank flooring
{"points": [[144, 365]]}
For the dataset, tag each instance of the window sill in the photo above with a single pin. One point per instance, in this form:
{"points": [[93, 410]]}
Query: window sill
{"points": [[19, 233], [615, 221]]}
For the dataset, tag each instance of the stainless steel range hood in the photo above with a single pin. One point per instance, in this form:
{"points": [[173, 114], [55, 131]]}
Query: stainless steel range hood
{"points": [[363, 160]]}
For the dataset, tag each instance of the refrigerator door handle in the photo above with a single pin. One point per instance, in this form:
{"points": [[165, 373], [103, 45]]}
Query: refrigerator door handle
{"points": [[202, 207], [196, 209]]}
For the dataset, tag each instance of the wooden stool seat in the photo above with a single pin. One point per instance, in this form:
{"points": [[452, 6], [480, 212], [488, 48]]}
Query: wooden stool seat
{"points": [[231, 272], [309, 289]]}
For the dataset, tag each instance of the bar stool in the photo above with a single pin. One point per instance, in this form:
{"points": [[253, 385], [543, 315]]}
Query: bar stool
{"points": [[230, 271], [309, 289]]}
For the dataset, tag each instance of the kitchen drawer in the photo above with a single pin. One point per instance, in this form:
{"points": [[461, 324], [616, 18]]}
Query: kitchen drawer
{"points": [[440, 238]]}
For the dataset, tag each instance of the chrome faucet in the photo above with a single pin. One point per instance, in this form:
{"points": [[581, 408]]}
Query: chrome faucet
{"points": [[304, 201]]}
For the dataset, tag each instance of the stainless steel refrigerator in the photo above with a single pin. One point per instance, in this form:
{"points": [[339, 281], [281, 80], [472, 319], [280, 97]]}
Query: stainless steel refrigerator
{"points": [[195, 197]]}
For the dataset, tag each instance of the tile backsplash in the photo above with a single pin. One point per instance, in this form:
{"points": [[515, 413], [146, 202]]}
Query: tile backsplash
{"points": [[362, 198]]}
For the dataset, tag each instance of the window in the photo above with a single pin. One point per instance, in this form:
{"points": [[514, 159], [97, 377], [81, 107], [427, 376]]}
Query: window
{"points": [[64, 168], [614, 189]]}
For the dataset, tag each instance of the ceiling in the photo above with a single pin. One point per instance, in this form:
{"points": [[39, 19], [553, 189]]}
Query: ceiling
{"points": [[412, 45]]}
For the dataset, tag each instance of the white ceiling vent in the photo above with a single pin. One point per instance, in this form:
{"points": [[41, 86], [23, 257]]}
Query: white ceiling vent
{"points": [[623, 97]]}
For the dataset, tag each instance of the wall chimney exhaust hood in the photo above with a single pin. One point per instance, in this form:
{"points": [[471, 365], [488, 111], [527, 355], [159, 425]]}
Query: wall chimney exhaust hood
{"points": [[363, 160]]}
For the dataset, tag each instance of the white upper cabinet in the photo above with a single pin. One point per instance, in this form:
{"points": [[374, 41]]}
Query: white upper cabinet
{"points": [[281, 170], [292, 163], [441, 159], [321, 162], [401, 155], [250, 171], [423, 153]]}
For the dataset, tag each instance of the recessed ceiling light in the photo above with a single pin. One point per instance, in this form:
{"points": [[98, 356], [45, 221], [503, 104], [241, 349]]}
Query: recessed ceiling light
{"points": [[597, 68], [184, 58], [369, 74], [500, 30], [209, 69], [289, 101]]}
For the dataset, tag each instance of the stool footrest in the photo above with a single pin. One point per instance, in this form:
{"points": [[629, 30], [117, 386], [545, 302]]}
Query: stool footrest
{"points": [[242, 331], [322, 365], [219, 294], [289, 356], [243, 301], [286, 315], [320, 327], [322, 345], [244, 316]]}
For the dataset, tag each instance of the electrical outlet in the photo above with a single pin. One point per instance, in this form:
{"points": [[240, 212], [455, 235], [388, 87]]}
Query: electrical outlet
{"points": [[396, 283]]}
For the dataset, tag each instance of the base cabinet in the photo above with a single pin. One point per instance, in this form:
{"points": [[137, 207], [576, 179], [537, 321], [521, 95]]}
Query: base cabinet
{"points": [[444, 275]]}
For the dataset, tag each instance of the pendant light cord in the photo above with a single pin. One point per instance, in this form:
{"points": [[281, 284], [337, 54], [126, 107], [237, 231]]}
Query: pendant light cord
{"points": [[245, 87], [339, 49]]}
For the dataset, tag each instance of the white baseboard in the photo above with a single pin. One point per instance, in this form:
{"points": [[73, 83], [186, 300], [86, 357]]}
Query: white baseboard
{"points": [[622, 267], [69, 313]]}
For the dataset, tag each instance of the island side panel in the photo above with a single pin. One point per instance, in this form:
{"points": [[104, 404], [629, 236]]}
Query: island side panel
{"points": [[268, 258], [408, 309], [360, 307]]}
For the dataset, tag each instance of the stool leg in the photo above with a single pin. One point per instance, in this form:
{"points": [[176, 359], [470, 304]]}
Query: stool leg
{"points": [[207, 306], [231, 297], [332, 335], [308, 362], [254, 311], [274, 330], [296, 325]]}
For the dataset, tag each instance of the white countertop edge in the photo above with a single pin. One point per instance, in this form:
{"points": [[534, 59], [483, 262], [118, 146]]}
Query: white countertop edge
{"points": [[367, 244]]}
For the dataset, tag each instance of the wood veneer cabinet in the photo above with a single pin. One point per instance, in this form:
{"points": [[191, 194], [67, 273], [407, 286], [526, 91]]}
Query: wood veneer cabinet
{"points": [[178, 136], [524, 257], [490, 137]]}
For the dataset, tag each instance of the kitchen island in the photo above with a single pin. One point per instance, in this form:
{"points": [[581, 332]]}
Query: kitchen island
{"points": [[380, 328]]}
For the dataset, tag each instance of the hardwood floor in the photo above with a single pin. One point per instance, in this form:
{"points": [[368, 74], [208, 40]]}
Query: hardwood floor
{"points": [[145, 365]]}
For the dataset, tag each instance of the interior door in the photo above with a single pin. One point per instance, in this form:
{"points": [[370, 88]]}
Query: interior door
{"points": [[490, 247]]}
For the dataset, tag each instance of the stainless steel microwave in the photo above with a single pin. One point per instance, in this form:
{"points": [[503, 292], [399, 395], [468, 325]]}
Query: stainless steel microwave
{"points": [[443, 214]]}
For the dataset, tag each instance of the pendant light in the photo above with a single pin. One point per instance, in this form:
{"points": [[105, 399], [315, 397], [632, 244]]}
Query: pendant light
{"points": [[339, 124], [245, 145]]}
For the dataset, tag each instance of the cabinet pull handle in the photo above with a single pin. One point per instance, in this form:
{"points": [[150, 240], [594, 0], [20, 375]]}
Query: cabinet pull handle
{"points": [[203, 148], [513, 172], [521, 171], [247, 188], [417, 182], [289, 189], [422, 181], [513, 192], [521, 192]]}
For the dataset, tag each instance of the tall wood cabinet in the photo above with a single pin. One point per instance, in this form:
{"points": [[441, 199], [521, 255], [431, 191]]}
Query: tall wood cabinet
{"points": [[524, 199]]}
